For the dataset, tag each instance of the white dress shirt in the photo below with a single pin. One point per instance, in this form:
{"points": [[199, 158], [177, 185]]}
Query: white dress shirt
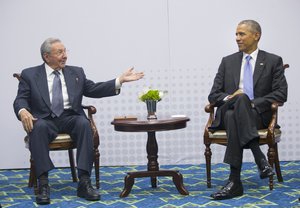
{"points": [[50, 78], [252, 62]]}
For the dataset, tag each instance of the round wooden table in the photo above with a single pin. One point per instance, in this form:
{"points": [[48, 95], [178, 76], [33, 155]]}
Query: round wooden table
{"points": [[153, 171]]}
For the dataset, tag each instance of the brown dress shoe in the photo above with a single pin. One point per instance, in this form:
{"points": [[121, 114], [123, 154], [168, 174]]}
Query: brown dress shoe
{"points": [[85, 190], [230, 190]]}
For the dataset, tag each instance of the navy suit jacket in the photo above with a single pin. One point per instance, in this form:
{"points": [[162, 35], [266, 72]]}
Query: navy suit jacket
{"points": [[33, 93], [269, 82]]}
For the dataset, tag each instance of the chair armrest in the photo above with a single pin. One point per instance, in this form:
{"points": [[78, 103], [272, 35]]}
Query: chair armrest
{"points": [[91, 110], [209, 108], [273, 122], [17, 75], [274, 108]]}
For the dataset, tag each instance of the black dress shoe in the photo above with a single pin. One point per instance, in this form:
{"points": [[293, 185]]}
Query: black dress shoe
{"points": [[85, 190], [43, 196], [230, 190], [265, 169]]}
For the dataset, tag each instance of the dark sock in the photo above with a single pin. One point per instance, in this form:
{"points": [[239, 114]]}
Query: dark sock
{"points": [[83, 174], [256, 151], [43, 179], [235, 174]]}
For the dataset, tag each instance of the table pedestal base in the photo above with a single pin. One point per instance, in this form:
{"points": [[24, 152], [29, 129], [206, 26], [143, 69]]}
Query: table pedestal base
{"points": [[177, 179]]}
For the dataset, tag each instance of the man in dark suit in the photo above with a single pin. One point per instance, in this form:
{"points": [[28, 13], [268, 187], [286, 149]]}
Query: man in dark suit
{"points": [[49, 101], [244, 102]]}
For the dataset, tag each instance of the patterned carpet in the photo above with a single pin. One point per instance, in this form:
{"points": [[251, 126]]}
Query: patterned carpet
{"points": [[15, 193]]}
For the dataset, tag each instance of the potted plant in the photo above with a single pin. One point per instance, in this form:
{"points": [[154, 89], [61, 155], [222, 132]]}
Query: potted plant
{"points": [[151, 97]]}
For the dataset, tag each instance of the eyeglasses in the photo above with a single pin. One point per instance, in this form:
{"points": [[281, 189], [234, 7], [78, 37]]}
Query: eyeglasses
{"points": [[61, 52]]}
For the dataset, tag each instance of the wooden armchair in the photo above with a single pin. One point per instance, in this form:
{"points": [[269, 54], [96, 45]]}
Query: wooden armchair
{"points": [[270, 136], [65, 142]]}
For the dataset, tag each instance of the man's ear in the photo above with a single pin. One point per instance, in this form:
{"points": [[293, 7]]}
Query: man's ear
{"points": [[46, 56], [257, 36]]}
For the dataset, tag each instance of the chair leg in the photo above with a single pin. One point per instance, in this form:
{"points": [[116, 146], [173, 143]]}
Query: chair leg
{"points": [[277, 165], [72, 165], [208, 164], [31, 174], [32, 182], [97, 174], [271, 156]]}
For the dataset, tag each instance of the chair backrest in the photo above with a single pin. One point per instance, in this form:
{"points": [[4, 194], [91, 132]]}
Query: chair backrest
{"points": [[17, 75], [285, 66]]}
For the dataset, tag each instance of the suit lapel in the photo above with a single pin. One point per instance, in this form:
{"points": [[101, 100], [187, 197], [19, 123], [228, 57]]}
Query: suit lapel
{"points": [[237, 64], [71, 80], [259, 66], [42, 84]]}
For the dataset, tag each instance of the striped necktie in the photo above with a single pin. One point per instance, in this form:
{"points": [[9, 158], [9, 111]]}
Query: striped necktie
{"points": [[57, 106]]}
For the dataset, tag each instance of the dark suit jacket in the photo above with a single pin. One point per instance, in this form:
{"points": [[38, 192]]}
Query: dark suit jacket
{"points": [[269, 82], [33, 93]]}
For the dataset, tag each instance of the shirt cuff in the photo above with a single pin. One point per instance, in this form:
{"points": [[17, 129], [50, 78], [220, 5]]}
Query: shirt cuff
{"points": [[118, 84], [226, 98], [21, 110]]}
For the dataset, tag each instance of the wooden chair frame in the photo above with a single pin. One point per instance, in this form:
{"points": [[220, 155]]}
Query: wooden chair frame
{"points": [[269, 136]]}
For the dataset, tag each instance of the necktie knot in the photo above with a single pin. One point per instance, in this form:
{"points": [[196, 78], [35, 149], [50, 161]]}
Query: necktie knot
{"points": [[56, 73], [248, 58]]}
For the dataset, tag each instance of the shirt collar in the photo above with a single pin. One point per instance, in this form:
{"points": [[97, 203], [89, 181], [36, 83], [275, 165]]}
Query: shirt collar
{"points": [[253, 54], [49, 70]]}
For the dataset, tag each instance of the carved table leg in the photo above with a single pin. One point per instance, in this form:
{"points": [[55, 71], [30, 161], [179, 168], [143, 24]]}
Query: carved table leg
{"points": [[128, 183], [178, 181], [176, 176], [153, 170], [152, 150]]}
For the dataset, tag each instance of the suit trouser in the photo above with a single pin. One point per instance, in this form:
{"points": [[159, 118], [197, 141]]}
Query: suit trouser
{"points": [[241, 122], [46, 130]]}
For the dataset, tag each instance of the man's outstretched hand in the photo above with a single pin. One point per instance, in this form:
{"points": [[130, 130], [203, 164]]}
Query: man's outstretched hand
{"points": [[129, 75]]}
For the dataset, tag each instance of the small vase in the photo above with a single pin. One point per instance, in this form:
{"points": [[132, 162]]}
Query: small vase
{"points": [[151, 108]]}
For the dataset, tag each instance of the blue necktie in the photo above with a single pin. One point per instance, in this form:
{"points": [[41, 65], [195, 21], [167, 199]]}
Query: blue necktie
{"points": [[248, 78], [57, 106]]}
